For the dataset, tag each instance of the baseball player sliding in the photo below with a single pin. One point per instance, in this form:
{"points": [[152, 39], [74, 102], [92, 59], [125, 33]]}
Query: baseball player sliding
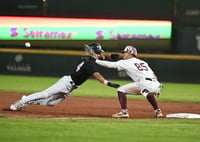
{"points": [[145, 81], [63, 87]]}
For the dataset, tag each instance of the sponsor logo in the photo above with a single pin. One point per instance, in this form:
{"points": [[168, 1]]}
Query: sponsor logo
{"points": [[18, 65]]}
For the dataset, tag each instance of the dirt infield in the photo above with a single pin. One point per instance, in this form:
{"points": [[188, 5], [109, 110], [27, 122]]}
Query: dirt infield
{"points": [[90, 107]]}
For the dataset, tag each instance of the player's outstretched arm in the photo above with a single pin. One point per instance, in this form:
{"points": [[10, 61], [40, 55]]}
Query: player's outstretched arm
{"points": [[100, 78], [107, 64]]}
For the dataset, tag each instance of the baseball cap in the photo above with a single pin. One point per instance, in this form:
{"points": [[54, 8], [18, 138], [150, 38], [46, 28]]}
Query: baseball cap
{"points": [[130, 49]]}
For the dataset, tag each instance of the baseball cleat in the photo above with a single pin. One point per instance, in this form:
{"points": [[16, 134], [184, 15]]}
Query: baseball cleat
{"points": [[17, 106], [23, 97], [121, 115], [158, 113]]}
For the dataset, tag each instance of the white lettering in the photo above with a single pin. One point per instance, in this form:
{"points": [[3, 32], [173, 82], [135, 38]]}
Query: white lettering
{"points": [[192, 12], [16, 67], [198, 42]]}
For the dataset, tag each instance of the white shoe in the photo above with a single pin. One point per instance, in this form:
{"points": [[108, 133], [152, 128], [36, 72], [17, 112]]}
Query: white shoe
{"points": [[121, 115], [158, 113], [17, 106], [23, 97]]}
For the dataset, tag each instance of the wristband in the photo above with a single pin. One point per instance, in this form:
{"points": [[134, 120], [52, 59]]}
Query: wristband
{"points": [[105, 82]]}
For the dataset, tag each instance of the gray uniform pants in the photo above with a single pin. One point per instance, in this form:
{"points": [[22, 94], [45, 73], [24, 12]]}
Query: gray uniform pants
{"points": [[52, 95]]}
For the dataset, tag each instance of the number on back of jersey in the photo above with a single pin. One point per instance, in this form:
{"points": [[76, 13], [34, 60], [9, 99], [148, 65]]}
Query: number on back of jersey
{"points": [[141, 66]]}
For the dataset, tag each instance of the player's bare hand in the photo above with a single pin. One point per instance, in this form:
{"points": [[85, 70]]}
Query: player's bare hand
{"points": [[95, 56]]}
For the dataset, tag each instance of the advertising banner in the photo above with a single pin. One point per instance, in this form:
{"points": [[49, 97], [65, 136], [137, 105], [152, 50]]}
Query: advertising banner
{"points": [[40, 28], [187, 40], [188, 13], [180, 70], [22, 7]]}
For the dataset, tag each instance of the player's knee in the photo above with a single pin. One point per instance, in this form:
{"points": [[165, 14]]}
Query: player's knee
{"points": [[144, 92], [120, 89]]}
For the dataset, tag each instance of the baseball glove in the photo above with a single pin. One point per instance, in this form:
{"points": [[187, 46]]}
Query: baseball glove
{"points": [[111, 56], [114, 56]]}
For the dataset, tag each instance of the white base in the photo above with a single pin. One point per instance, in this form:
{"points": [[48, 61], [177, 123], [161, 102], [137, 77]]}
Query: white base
{"points": [[183, 115]]}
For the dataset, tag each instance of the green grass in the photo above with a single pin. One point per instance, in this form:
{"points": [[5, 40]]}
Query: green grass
{"points": [[178, 92], [98, 130], [24, 84], [181, 92]]}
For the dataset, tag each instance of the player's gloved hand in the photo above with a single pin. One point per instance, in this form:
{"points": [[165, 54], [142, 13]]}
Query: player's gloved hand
{"points": [[115, 85], [94, 58], [114, 56], [91, 58], [101, 58]]}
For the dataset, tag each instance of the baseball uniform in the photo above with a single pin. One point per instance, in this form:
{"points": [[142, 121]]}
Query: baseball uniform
{"points": [[64, 86], [139, 71]]}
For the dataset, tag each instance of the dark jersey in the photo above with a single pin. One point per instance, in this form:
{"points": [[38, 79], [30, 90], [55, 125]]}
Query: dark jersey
{"points": [[83, 71]]}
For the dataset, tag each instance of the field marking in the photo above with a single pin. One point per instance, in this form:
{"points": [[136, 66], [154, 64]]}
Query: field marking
{"points": [[76, 118], [183, 115]]}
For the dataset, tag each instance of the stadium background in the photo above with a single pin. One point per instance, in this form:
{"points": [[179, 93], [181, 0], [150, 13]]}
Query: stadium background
{"points": [[174, 60]]}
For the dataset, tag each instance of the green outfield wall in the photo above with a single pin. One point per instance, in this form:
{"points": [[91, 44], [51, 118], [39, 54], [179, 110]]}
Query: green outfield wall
{"points": [[169, 68]]}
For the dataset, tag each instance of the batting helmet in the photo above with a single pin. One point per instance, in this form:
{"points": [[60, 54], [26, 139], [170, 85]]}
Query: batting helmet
{"points": [[96, 47], [130, 49]]}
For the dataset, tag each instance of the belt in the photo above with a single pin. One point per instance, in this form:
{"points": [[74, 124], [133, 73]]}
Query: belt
{"points": [[72, 83], [150, 79], [74, 86]]}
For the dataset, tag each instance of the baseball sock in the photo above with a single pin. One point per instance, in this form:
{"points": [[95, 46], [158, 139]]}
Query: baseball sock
{"points": [[152, 100], [123, 100]]}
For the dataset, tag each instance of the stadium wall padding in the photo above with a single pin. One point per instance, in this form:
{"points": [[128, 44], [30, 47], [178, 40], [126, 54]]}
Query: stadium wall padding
{"points": [[167, 69]]}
